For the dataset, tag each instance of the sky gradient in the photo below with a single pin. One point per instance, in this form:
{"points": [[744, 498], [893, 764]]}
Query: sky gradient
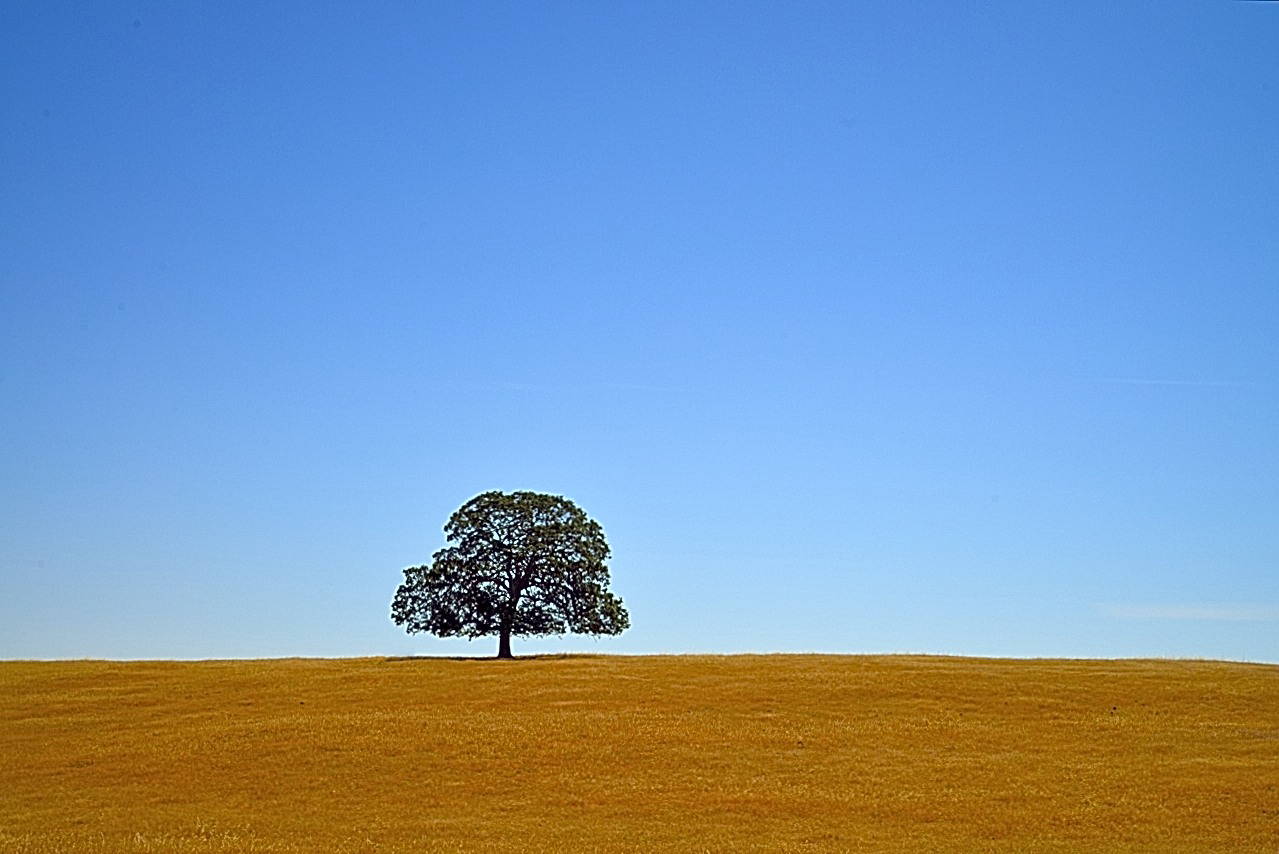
{"points": [[860, 327]]}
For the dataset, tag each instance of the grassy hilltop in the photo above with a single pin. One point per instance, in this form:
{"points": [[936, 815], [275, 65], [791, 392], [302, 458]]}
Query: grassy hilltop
{"points": [[739, 753]]}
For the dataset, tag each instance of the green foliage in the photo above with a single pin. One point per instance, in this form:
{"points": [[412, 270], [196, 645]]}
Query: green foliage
{"points": [[521, 564]]}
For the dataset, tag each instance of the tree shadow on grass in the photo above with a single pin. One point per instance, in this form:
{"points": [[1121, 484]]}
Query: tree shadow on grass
{"points": [[540, 656]]}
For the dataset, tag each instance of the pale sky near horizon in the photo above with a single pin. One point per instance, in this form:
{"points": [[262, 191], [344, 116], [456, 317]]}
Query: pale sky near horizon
{"points": [[860, 327]]}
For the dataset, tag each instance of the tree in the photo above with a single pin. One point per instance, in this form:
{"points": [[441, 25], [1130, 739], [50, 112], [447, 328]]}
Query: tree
{"points": [[521, 564]]}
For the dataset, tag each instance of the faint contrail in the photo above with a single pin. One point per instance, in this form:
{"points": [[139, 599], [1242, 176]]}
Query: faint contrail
{"points": [[1200, 383], [539, 388], [1263, 613]]}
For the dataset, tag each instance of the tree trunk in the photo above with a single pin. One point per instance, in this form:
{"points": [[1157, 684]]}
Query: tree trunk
{"points": [[504, 643]]}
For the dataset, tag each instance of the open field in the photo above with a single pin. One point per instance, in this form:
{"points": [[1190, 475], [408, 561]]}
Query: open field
{"points": [[737, 753]]}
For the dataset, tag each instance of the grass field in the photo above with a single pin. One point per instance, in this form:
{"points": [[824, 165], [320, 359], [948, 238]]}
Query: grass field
{"points": [[687, 753]]}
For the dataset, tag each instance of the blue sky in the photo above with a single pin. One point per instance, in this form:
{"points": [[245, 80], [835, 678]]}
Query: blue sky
{"points": [[860, 327]]}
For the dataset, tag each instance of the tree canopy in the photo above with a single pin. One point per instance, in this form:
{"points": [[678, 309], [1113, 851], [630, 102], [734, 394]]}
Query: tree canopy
{"points": [[521, 563]]}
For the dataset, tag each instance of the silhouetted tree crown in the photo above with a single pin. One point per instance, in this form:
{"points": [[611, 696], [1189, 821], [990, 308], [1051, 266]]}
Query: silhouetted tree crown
{"points": [[520, 563]]}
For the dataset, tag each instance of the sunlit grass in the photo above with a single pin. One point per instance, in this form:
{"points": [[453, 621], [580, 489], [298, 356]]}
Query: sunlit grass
{"points": [[737, 753]]}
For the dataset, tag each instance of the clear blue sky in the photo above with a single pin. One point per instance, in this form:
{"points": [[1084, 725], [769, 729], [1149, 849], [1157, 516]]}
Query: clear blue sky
{"points": [[860, 327]]}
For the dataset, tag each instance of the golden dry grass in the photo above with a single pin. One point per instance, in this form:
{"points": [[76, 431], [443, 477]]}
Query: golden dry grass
{"points": [[698, 753]]}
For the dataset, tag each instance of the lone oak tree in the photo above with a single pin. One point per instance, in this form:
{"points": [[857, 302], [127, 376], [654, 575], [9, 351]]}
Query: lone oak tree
{"points": [[522, 564]]}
